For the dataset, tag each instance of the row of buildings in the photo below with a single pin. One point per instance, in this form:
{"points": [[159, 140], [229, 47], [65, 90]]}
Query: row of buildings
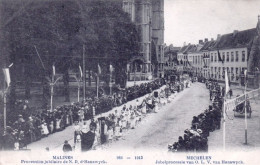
{"points": [[234, 52]]}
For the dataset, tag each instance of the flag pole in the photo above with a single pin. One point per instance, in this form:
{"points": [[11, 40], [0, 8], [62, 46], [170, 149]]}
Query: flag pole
{"points": [[98, 70], [245, 109], [84, 75], [52, 84], [134, 73], [110, 79], [97, 84], [224, 111], [4, 94], [224, 125]]}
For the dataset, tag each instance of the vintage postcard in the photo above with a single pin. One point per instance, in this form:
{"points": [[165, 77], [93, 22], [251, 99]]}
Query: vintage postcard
{"points": [[138, 82]]}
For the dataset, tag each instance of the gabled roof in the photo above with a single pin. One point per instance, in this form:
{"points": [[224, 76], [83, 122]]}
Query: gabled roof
{"points": [[171, 48], [187, 48], [235, 40], [208, 45]]}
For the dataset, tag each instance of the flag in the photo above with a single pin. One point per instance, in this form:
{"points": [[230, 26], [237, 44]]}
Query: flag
{"points": [[219, 57], [204, 62], [7, 76], [80, 70], [99, 69], [226, 82], [110, 68], [188, 62], [53, 70]]}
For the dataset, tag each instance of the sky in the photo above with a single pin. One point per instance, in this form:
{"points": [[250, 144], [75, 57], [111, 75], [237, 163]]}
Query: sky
{"points": [[191, 20]]}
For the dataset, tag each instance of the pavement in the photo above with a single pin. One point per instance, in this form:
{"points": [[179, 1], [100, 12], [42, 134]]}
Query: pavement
{"points": [[157, 130], [235, 129]]}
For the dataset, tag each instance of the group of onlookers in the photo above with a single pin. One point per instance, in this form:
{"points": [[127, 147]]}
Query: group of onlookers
{"points": [[195, 138], [32, 125]]}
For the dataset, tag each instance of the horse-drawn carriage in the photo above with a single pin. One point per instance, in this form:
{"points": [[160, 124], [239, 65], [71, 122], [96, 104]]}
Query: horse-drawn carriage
{"points": [[240, 109]]}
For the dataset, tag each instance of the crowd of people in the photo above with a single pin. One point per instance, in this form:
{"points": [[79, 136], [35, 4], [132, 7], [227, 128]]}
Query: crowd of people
{"points": [[32, 125], [195, 138], [111, 127]]}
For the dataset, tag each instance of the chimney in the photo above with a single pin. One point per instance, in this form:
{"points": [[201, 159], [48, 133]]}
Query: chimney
{"points": [[184, 44], [235, 32], [218, 37], [212, 39], [206, 40], [258, 18], [200, 41]]}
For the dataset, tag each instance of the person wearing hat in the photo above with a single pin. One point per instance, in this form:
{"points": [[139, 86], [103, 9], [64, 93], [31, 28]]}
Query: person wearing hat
{"points": [[66, 146]]}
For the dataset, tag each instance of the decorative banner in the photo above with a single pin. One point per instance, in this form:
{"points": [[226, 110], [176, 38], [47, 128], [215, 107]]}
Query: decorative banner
{"points": [[80, 70], [53, 70], [7, 76], [99, 69], [226, 82]]}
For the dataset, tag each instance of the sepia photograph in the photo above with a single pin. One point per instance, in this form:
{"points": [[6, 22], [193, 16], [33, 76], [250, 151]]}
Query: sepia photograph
{"points": [[130, 82]]}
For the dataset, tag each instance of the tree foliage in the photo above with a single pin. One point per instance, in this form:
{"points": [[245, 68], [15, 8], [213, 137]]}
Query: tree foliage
{"points": [[59, 29]]}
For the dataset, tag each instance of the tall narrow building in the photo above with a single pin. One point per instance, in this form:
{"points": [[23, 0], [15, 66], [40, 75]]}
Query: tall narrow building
{"points": [[158, 33], [148, 15]]}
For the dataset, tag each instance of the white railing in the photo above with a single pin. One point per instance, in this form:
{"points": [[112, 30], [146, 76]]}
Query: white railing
{"points": [[231, 104]]}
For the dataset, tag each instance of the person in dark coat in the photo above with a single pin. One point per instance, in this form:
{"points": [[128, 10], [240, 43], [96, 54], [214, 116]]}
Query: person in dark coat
{"points": [[8, 139], [230, 93], [66, 147], [87, 139]]}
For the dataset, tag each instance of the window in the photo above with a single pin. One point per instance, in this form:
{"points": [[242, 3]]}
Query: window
{"points": [[215, 57], [223, 56], [232, 74], [227, 56], [232, 56], [211, 56], [243, 56], [236, 55]]}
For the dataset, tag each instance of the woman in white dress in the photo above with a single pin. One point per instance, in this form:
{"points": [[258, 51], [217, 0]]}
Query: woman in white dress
{"points": [[78, 144], [124, 123], [58, 124], [45, 130], [110, 134], [132, 120], [117, 131]]}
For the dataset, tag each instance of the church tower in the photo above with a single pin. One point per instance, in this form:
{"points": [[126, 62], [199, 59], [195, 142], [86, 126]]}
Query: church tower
{"points": [[148, 17], [158, 34]]}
